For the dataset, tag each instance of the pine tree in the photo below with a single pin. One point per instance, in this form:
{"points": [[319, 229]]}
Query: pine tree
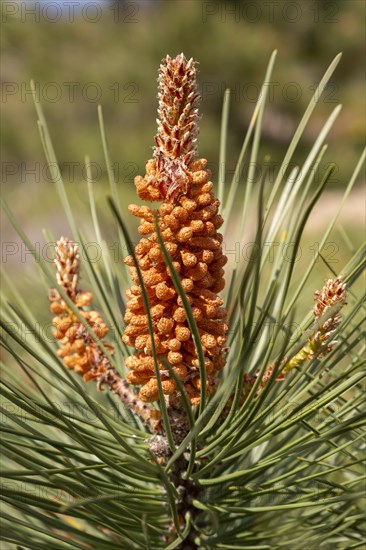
{"points": [[213, 426]]}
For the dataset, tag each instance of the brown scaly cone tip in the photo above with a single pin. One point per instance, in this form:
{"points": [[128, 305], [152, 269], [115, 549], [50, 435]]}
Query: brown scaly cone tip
{"points": [[168, 174], [188, 221]]}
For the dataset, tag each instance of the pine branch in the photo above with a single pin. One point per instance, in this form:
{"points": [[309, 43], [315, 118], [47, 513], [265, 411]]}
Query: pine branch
{"points": [[79, 351]]}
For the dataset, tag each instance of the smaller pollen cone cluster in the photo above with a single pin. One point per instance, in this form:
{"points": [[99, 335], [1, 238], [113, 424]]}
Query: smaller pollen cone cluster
{"points": [[79, 351], [188, 221], [332, 295]]}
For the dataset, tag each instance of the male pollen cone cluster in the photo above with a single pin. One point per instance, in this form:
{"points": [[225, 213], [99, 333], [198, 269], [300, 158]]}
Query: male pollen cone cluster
{"points": [[332, 295], [188, 221], [79, 351]]}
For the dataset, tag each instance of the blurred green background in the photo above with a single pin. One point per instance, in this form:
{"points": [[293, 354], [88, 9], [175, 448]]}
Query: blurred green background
{"points": [[84, 53], [110, 55]]}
